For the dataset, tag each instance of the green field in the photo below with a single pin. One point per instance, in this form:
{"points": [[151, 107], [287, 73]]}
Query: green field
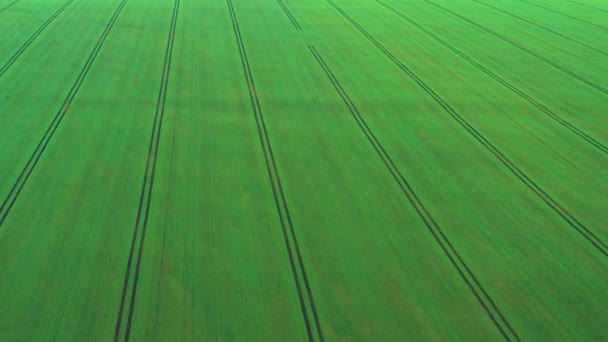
{"points": [[321, 170]]}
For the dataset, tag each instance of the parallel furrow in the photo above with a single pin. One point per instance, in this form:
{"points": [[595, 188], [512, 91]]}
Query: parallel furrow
{"points": [[542, 27], [587, 5], [566, 15], [597, 144], [289, 15], [27, 43], [291, 242], [13, 194], [533, 186], [521, 47], [145, 199], [449, 250], [8, 6]]}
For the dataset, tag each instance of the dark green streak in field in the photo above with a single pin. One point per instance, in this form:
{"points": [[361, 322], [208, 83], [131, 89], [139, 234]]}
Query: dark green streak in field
{"points": [[448, 162], [570, 12], [5, 6], [17, 27], [216, 265], [68, 233]]}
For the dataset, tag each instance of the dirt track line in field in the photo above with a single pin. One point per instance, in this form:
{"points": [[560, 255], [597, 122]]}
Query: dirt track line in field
{"points": [[8, 6], [289, 15], [597, 144], [27, 43], [542, 27], [13, 194], [587, 5], [145, 199], [277, 191], [601, 246], [565, 15], [439, 236], [521, 47]]}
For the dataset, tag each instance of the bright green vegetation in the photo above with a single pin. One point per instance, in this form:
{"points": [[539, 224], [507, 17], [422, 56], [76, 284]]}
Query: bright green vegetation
{"points": [[339, 170]]}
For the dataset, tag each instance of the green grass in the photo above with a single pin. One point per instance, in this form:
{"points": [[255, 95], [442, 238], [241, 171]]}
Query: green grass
{"points": [[304, 170]]}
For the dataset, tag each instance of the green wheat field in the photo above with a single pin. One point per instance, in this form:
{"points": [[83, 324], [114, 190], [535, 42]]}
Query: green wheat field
{"points": [[303, 170]]}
